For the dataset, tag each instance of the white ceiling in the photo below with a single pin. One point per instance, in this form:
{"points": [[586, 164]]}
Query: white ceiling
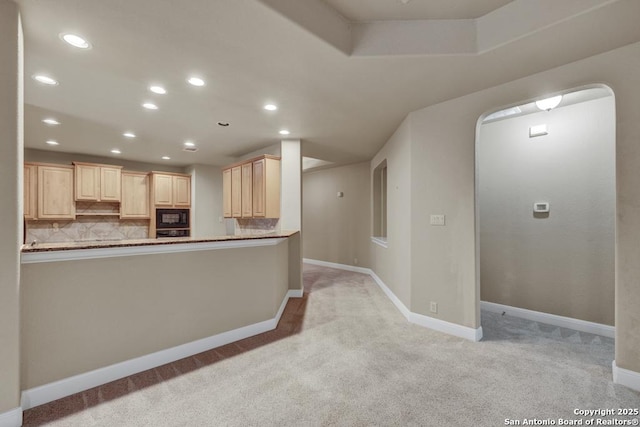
{"points": [[382, 10], [344, 107]]}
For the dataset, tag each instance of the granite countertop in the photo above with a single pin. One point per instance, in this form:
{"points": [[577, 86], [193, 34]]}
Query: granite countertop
{"points": [[65, 246]]}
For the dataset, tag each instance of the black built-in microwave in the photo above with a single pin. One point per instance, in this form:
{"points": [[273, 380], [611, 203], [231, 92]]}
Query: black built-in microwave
{"points": [[172, 218]]}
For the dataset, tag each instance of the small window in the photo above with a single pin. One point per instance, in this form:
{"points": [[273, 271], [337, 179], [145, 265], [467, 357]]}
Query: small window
{"points": [[380, 201]]}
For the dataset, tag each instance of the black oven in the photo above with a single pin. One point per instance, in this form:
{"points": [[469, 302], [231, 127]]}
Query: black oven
{"points": [[172, 233], [172, 218]]}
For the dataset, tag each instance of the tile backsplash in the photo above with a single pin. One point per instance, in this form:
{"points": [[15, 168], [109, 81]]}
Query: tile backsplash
{"points": [[88, 226], [255, 226], [86, 229]]}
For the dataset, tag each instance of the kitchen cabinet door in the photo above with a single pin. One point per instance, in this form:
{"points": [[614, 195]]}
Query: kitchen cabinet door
{"points": [[266, 188], [87, 180], [181, 191], [236, 192], [30, 181], [135, 195], [96, 182], [259, 206], [163, 190], [110, 184], [55, 192], [226, 193], [247, 193]]}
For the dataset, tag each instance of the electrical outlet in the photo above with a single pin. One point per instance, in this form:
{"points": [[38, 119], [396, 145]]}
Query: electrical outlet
{"points": [[437, 220], [55, 227], [434, 307], [355, 261]]}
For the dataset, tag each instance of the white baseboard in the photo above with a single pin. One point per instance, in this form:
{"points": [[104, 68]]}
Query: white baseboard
{"points": [[446, 327], [77, 383], [394, 299], [419, 319], [12, 418], [338, 266], [626, 377], [551, 319], [295, 293]]}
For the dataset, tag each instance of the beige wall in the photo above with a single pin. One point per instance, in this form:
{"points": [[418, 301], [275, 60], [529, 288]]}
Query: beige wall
{"points": [[11, 142], [31, 155], [206, 201], [441, 158], [82, 315], [442, 179], [561, 263], [393, 263], [337, 229]]}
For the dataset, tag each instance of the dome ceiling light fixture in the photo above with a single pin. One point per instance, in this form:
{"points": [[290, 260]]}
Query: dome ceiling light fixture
{"points": [[549, 104]]}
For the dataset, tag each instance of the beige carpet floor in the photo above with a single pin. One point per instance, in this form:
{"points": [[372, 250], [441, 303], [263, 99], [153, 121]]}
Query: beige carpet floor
{"points": [[343, 355]]}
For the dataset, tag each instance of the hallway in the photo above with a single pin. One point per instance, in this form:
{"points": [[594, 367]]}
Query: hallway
{"points": [[343, 355]]}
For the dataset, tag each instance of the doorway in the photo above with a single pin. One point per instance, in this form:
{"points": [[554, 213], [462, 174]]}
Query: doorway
{"points": [[545, 210]]}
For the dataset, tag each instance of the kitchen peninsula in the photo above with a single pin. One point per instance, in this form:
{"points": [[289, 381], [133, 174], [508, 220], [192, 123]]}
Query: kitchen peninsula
{"points": [[98, 311]]}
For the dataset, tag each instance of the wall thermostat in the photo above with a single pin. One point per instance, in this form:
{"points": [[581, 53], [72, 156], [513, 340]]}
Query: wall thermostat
{"points": [[541, 207]]}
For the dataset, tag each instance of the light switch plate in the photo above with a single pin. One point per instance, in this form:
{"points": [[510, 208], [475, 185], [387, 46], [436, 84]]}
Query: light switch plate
{"points": [[437, 220]]}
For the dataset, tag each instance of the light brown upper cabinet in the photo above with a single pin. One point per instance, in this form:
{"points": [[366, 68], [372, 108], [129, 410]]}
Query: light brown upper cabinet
{"points": [[30, 206], [236, 192], [170, 190], [55, 192], [266, 188], [95, 182], [247, 194], [226, 193], [135, 195], [251, 189]]}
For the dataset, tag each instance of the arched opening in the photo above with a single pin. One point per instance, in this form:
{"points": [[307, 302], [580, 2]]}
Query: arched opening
{"points": [[545, 213]]}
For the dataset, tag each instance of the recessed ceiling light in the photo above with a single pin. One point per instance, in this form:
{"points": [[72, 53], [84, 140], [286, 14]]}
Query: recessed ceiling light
{"points": [[129, 134], [52, 122], [52, 142], [150, 106], [189, 144], [223, 124], [284, 132], [270, 107], [116, 151], [166, 158], [75, 41], [158, 89], [45, 79], [195, 81]]}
